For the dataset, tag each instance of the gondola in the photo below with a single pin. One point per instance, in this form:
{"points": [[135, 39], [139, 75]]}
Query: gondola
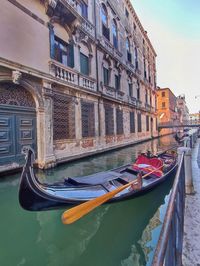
{"points": [[37, 196]]}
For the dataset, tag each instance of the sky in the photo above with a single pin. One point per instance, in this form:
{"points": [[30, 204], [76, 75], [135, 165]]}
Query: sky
{"points": [[173, 27]]}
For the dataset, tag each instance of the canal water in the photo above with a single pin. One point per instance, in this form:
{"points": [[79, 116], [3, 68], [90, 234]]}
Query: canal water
{"points": [[118, 234]]}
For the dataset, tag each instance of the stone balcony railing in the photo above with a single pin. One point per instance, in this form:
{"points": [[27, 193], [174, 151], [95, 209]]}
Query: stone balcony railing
{"points": [[132, 100], [112, 92], [85, 24], [63, 73], [109, 91], [110, 48], [87, 83], [71, 76], [120, 95]]}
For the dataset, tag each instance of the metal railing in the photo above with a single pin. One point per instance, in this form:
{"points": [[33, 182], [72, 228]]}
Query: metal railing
{"points": [[169, 247], [186, 123]]}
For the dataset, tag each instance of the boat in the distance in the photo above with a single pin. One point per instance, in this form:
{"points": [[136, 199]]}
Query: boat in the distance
{"points": [[37, 196]]}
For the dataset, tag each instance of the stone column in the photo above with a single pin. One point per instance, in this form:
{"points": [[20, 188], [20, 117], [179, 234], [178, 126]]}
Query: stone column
{"points": [[46, 157], [188, 168]]}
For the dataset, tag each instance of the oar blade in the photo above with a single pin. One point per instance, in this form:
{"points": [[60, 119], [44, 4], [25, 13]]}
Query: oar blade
{"points": [[75, 213]]}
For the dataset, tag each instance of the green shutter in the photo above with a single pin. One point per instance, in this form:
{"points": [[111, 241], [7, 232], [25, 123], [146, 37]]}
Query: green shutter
{"points": [[70, 55], [84, 64]]}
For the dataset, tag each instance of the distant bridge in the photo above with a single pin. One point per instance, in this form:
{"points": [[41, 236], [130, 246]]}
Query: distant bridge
{"points": [[188, 123]]}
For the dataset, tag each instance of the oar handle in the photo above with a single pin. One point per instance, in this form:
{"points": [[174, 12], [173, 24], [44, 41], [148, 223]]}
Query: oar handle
{"points": [[79, 211]]}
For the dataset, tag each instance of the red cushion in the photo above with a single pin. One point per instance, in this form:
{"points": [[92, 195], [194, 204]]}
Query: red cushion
{"points": [[147, 165]]}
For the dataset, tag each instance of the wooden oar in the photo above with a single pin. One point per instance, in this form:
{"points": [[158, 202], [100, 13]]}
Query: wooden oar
{"points": [[79, 211]]}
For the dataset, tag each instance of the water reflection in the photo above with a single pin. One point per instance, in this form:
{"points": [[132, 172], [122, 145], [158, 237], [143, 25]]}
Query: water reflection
{"points": [[123, 233]]}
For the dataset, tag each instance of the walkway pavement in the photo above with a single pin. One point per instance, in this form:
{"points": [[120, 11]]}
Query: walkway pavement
{"points": [[191, 242]]}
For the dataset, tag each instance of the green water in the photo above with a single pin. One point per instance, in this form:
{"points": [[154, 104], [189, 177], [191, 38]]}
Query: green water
{"points": [[123, 233]]}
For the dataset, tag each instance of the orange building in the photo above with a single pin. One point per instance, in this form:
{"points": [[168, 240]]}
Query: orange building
{"points": [[166, 108]]}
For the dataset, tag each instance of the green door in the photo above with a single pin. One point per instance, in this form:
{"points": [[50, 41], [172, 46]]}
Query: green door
{"points": [[17, 130], [17, 123]]}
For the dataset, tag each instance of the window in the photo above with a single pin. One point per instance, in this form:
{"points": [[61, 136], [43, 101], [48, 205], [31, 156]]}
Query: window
{"points": [[84, 64], [163, 93], [136, 58], [130, 88], [114, 33], [104, 20], [84, 10], [132, 122], [104, 15], [63, 52], [88, 119], [105, 76], [138, 91], [147, 123], [126, 13], [146, 96], [163, 104], [128, 49], [63, 117], [119, 122], [117, 82], [145, 72], [109, 120], [139, 120]]}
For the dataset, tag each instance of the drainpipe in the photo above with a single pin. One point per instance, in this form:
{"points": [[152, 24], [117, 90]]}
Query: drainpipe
{"points": [[97, 72]]}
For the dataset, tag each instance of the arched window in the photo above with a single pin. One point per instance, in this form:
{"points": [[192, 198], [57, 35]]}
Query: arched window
{"points": [[114, 33], [104, 20], [128, 49], [104, 15]]}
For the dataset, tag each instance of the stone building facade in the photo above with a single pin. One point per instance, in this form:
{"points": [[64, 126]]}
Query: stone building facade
{"points": [[77, 77], [167, 109]]}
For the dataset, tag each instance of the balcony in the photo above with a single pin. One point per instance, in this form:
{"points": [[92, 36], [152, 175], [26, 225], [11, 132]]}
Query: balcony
{"points": [[109, 91], [87, 83], [120, 95], [87, 26], [132, 100], [70, 76], [63, 73], [67, 11], [110, 48]]}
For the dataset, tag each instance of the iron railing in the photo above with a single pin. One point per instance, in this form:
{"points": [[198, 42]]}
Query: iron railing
{"points": [[169, 248]]}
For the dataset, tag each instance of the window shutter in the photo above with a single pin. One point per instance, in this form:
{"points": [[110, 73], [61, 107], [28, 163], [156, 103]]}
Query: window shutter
{"points": [[52, 42], [119, 122], [84, 64], [132, 122], [71, 55]]}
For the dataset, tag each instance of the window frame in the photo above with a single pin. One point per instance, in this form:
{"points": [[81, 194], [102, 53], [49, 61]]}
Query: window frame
{"points": [[84, 71]]}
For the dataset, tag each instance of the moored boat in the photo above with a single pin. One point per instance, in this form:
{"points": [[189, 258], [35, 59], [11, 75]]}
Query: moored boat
{"points": [[37, 196]]}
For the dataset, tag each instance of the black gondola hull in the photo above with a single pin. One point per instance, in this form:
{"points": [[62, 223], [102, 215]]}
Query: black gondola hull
{"points": [[34, 196]]}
